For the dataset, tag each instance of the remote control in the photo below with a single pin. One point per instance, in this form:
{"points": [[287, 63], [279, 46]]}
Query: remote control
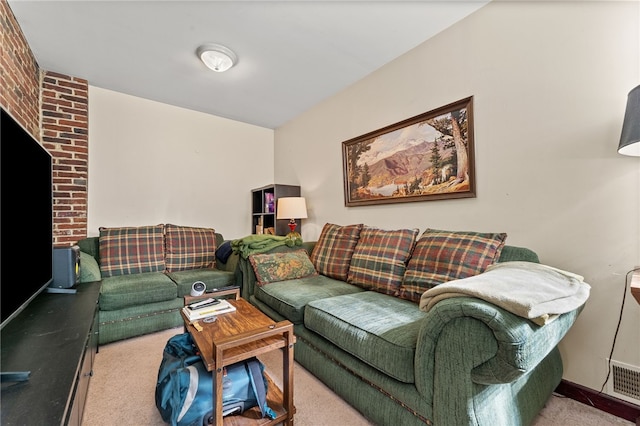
{"points": [[229, 287], [204, 304]]}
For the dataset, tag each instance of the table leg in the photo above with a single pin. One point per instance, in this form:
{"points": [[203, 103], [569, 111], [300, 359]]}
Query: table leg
{"points": [[287, 369], [218, 374]]}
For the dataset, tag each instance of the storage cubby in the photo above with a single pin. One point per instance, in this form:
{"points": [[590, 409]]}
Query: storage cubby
{"points": [[264, 205]]}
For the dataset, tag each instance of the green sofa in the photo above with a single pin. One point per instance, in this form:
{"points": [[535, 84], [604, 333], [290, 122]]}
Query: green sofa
{"points": [[465, 362], [147, 273]]}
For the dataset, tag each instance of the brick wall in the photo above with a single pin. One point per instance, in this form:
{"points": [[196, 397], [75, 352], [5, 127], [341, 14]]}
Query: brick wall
{"points": [[54, 109], [64, 134], [19, 74]]}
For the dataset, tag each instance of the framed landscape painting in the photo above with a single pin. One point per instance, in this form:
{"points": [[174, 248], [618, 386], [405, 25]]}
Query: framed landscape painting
{"points": [[426, 157]]}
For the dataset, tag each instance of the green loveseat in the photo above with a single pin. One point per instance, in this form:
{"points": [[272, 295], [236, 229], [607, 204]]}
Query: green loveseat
{"points": [[465, 362], [148, 271]]}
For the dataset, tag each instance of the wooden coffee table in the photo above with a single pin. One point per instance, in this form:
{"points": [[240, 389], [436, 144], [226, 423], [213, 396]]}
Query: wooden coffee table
{"points": [[237, 336]]}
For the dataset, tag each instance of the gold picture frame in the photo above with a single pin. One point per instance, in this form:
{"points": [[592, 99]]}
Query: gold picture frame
{"points": [[426, 157]]}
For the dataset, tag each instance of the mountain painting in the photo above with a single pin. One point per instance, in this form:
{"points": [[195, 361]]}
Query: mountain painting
{"points": [[427, 157]]}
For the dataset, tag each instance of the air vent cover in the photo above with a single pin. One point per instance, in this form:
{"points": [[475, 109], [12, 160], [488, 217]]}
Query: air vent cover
{"points": [[625, 382]]}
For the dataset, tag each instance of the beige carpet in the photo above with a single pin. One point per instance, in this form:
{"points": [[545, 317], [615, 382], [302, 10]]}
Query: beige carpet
{"points": [[122, 389]]}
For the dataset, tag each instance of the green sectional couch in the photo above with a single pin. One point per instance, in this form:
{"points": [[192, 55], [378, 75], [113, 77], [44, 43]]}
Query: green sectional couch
{"points": [[362, 329], [146, 271]]}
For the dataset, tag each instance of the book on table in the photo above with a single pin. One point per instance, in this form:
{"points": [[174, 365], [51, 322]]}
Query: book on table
{"points": [[222, 307]]}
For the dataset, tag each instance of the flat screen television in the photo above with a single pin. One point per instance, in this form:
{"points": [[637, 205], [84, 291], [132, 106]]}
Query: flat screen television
{"points": [[26, 218]]}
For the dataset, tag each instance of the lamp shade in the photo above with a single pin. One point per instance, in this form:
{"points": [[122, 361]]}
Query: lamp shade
{"points": [[630, 138], [292, 208]]}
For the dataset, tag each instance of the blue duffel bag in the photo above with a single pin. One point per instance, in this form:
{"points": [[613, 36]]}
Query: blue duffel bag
{"points": [[184, 390]]}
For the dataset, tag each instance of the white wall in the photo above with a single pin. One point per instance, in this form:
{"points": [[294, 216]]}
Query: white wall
{"points": [[152, 163], [550, 82]]}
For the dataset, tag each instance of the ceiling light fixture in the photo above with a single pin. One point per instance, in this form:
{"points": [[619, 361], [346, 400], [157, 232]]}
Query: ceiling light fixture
{"points": [[216, 57]]}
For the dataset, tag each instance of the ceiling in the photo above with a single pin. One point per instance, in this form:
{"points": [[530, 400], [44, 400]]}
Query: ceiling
{"points": [[291, 54]]}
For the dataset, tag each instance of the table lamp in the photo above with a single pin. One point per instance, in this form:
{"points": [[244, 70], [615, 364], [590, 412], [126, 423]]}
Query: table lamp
{"points": [[630, 138], [292, 208]]}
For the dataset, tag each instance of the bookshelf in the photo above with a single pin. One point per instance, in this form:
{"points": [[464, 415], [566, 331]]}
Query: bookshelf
{"points": [[264, 204]]}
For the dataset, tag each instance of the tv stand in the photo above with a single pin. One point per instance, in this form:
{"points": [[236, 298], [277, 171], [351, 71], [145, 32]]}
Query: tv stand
{"points": [[51, 344]]}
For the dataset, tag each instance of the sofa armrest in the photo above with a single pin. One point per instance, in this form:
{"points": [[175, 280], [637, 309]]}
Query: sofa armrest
{"points": [[487, 343], [230, 265]]}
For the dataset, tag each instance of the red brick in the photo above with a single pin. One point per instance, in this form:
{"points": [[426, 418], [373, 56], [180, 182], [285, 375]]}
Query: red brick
{"points": [[64, 119]]}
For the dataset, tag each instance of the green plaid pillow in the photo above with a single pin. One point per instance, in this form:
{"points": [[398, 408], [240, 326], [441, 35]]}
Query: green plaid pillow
{"points": [[131, 250], [332, 252], [379, 259], [442, 256], [189, 248], [272, 267]]}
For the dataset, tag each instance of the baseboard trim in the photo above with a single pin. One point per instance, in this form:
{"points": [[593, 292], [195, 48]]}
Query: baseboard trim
{"points": [[601, 401]]}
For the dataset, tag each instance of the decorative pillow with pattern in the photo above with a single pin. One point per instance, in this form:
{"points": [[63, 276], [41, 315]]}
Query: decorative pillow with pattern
{"points": [[379, 259], [272, 267], [441, 256], [131, 250], [332, 252], [189, 248]]}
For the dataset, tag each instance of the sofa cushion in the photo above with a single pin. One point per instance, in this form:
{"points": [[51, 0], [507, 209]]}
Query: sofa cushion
{"points": [[332, 252], [123, 291], [379, 259], [213, 278], [290, 297], [272, 267], [131, 250], [379, 329], [441, 256], [189, 248]]}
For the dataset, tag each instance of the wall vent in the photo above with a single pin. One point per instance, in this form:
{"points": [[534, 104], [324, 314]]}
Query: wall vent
{"points": [[624, 382]]}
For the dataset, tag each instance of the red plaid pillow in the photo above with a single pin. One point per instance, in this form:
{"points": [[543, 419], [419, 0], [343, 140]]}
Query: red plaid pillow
{"points": [[379, 259], [190, 248], [442, 256], [332, 253], [131, 250]]}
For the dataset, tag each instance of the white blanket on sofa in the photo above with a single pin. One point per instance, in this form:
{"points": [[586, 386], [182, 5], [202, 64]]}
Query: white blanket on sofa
{"points": [[531, 290]]}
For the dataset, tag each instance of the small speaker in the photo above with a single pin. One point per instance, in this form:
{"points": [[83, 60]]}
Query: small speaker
{"points": [[66, 267], [198, 288]]}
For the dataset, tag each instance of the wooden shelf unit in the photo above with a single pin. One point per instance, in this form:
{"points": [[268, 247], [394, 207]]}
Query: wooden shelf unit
{"points": [[264, 205]]}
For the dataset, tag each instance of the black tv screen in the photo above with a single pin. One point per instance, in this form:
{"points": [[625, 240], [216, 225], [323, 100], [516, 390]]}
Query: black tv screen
{"points": [[26, 218]]}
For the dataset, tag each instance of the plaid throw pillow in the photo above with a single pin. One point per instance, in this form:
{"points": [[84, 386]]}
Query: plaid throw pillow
{"points": [[131, 250], [379, 259], [442, 256], [272, 267], [190, 248], [332, 253]]}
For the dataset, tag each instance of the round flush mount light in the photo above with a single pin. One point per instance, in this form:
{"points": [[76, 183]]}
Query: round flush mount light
{"points": [[216, 57]]}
